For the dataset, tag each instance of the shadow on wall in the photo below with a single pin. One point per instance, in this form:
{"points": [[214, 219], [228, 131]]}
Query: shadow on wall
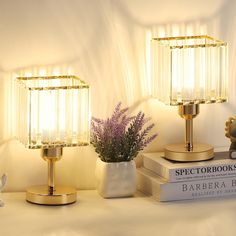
{"points": [[228, 23]]}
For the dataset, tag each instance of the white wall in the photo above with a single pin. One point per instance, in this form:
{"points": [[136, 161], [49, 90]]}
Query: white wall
{"points": [[105, 42]]}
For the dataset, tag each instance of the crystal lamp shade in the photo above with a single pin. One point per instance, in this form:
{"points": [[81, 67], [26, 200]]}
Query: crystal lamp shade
{"points": [[53, 111], [189, 70]]}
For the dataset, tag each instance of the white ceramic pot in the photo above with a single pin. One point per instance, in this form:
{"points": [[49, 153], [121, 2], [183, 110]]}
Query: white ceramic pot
{"points": [[115, 179]]}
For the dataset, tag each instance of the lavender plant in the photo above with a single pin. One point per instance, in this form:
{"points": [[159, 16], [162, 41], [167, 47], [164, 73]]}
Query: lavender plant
{"points": [[120, 137]]}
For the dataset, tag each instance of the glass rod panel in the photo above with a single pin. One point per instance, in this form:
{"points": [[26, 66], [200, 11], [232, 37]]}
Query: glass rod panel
{"points": [[189, 69], [53, 111]]}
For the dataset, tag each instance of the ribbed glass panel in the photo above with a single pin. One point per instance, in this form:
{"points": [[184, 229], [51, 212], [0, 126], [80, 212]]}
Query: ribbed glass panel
{"points": [[53, 111], [191, 69]]}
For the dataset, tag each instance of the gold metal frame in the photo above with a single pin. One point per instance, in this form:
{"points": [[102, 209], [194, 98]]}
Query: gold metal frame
{"points": [[80, 86], [216, 42]]}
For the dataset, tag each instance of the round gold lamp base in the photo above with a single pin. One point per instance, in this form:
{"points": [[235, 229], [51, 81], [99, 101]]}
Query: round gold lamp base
{"points": [[41, 195], [178, 152]]}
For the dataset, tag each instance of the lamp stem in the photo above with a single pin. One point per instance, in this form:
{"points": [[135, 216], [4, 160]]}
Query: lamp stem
{"points": [[51, 176], [51, 155], [189, 134], [188, 112]]}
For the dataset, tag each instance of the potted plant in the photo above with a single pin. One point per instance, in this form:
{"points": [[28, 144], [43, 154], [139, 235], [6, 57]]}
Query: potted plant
{"points": [[118, 140]]}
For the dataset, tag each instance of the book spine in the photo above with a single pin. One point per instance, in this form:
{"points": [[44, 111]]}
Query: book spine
{"points": [[186, 190], [191, 173]]}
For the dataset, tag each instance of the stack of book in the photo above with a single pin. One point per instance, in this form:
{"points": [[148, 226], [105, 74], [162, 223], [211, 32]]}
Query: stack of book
{"points": [[169, 181]]}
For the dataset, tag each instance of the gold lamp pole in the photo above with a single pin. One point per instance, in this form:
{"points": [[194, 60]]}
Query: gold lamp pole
{"points": [[53, 112], [51, 156], [190, 151], [188, 112], [188, 71]]}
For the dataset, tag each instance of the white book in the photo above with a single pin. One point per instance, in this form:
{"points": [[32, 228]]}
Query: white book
{"points": [[152, 184], [219, 167]]}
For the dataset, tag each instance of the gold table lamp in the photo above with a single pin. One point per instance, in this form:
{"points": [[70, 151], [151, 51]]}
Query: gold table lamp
{"points": [[53, 112], [188, 71]]}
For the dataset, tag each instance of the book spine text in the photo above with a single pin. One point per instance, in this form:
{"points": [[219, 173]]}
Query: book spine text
{"points": [[186, 190]]}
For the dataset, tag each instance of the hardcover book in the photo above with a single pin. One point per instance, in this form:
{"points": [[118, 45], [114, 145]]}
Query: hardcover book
{"points": [[219, 167], [152, 184]]}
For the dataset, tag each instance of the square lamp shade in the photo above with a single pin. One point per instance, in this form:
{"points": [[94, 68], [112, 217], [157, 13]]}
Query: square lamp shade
{"points": [[188, 71], [53, 112]]}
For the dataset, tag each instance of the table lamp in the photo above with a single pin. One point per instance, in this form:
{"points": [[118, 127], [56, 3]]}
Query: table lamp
{"points": [[188, 71], [53, 112]]}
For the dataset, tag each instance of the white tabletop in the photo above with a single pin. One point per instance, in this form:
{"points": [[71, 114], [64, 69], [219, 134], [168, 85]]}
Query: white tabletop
{"points": [[141, 215]]}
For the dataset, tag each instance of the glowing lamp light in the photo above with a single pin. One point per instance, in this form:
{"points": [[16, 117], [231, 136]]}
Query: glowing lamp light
{"points": [[188, 71], [53, 112]]}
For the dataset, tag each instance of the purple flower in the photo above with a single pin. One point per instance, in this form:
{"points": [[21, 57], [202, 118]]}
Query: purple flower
{"points": [[120, 137]]}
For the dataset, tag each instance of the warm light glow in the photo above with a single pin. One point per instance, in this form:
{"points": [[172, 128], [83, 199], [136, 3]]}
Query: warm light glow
{"points": [[203, 30], [148, 60], [27, 74], [175, 30], [42, 72], [189, 69], [70, 71], [53, 111], [189, 30], [161, 32], [56, 71]]}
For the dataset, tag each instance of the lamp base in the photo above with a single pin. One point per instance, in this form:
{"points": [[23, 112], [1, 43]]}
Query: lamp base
{"points": [[41, 195], [178, 152]]}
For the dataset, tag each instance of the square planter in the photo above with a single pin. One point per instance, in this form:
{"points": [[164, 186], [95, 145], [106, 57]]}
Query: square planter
{"points": [[115, 179]]}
